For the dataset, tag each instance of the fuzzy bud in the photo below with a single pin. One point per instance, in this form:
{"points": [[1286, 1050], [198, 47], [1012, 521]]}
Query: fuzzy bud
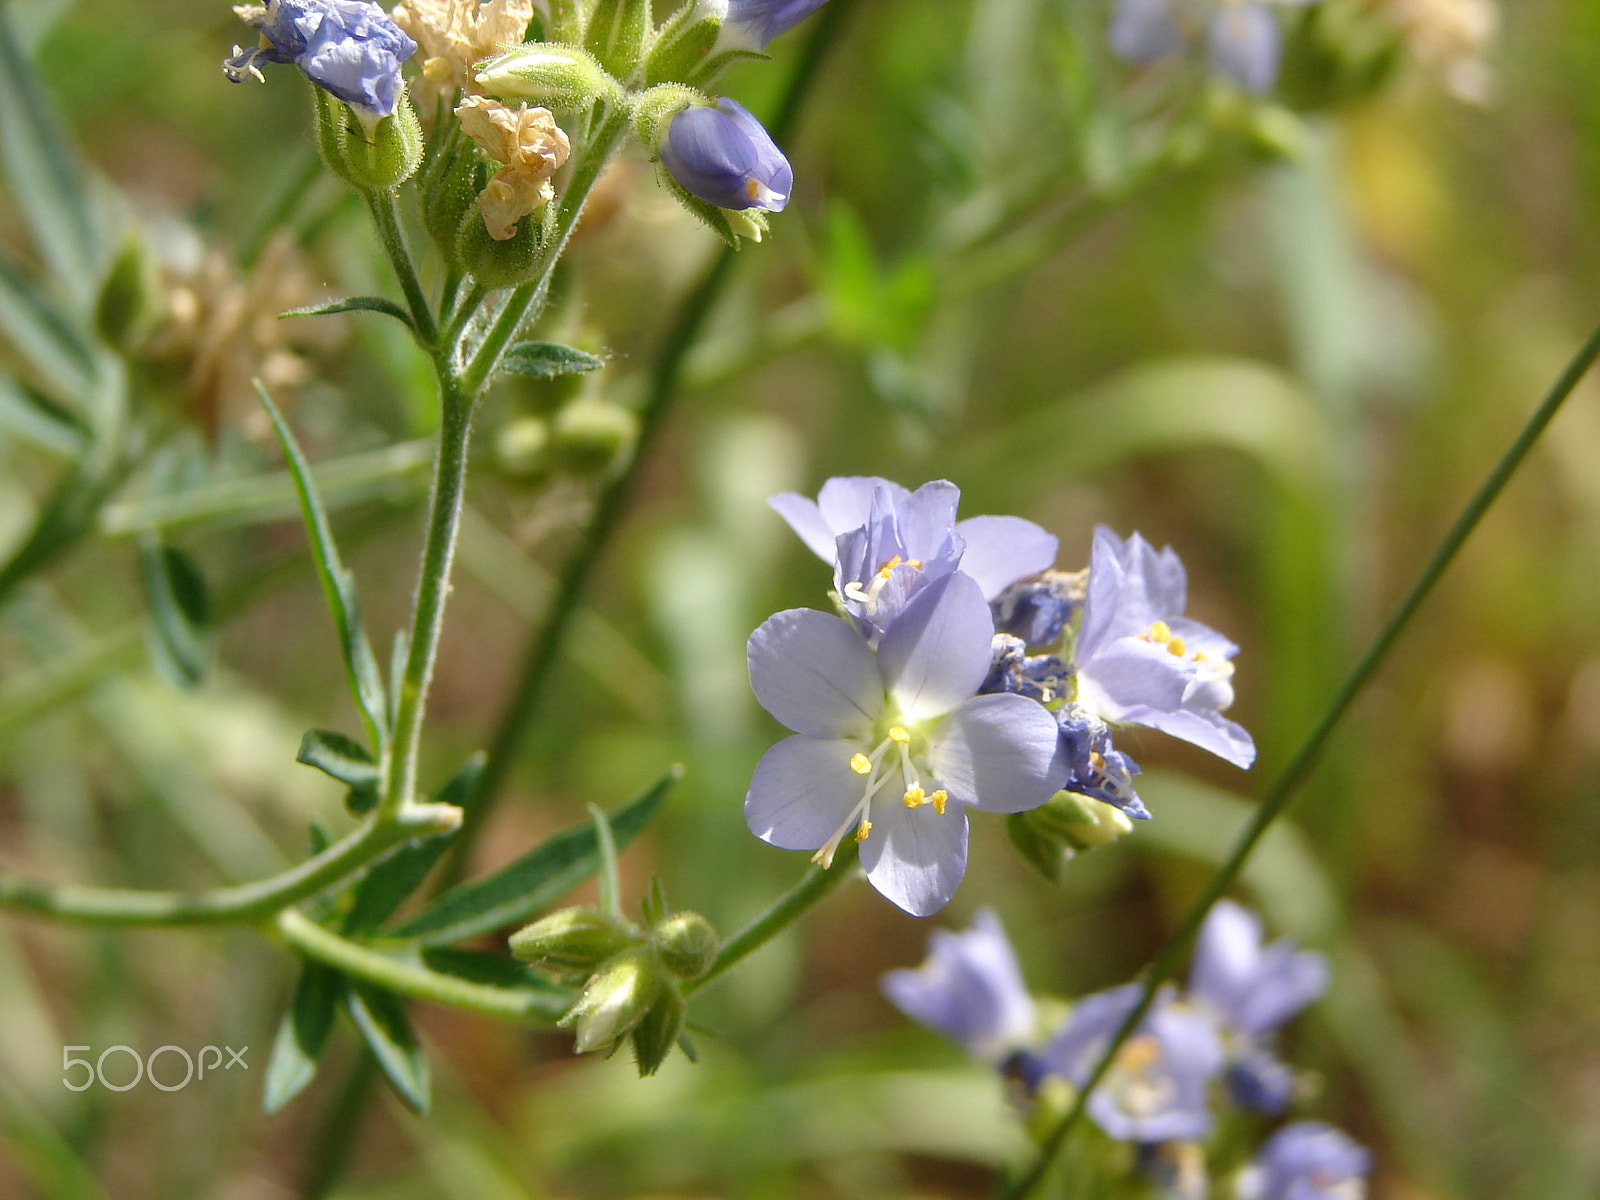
{"points": [[558, 77], [573, 940], [592, 437], [371, 154], [616, 999], [687, 944]]}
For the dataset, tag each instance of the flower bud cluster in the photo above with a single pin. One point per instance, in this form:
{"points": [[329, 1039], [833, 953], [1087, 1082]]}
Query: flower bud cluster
{"points": [[631, 977], [1196, 1053]]}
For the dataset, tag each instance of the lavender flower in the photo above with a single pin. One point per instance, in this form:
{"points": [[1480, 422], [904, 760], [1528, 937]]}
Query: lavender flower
{"points": [[886, 542], [719, 153], [1155, 1089], [970, 989], [749, 25], [1307, 1160], [351, 48], [893, 745], [1038, 610], [1242, 37], [1251, 990], [1094, 768], [1140, 662]]}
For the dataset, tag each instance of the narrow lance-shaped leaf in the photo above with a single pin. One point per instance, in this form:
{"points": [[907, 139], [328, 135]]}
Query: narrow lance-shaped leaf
{"points": [[46, 180], [547, 360], [375, 304], [523, 887], [180, 610], [302, 1035], [337, 584], [60, 360], [385, 887], [384, 1026]]}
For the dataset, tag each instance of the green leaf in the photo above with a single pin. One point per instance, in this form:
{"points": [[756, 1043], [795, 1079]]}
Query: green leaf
{"points": [[381, 1018], [25, 415], [523, 887], [345, 760], [180, 610], [61, 361], [385, 887], [46, 180], [302, 1035], [375, 304], [338, 586], [548, 360]]}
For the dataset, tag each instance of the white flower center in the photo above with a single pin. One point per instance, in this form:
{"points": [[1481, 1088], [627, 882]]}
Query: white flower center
{"points": [[890, 759]]}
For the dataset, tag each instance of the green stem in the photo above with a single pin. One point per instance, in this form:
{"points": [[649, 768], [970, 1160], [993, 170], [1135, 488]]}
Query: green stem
{"points": [[1299, 767], [246, 903], [463, 313], [385, 209], [813, 886], [433, 587], [410, 977], [665, 378]]}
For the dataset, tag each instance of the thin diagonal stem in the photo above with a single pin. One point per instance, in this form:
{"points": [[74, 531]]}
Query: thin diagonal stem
{"points": [[665, 381], [385, 209], [1299, 766]]}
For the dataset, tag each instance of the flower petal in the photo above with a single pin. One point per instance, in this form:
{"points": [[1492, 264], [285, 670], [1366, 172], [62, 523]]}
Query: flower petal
{"points": [[1133, 673], [814, 673], [1208, 730], [1142, 30], [936, 652], [806, 519], [1001, 550], [925, 518], [997, 753], [803, 789], [916, 857], [1244, 43], [845, 501]]}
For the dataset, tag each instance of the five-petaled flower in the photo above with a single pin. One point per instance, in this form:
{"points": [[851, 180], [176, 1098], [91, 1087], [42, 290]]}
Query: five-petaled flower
{"points": [[969, 988], [1306, 1160], [349, 47], [893, 745], [720, 153], [1139, 661], [1242, 37]]}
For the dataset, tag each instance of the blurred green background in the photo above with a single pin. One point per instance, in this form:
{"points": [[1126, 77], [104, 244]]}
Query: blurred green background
{"points": [[1290, 351]]}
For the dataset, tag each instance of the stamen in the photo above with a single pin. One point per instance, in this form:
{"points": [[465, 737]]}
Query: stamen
{"points": [[896, 734], [886, 569], [915, 797], [1097, 760], [863, 829], [1175, 644], [860, 764], [939, 799], [1159, 632]]}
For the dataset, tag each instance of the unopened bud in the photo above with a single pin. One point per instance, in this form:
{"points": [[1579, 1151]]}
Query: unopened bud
{"points": [[129, 298], [557, 77], [687, 944], [496, 262], [521, 448], [573, 940], [617, 997], [592, 437]]}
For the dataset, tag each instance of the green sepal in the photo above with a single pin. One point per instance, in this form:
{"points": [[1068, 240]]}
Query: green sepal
{"points": [[130, 299], [549, 360], [530, 883], [680, 46], [302, 1035], [345, 760], [450, 185], [181, 627], [732, 225], [500, 264], [560, 77], [1044, 854], [371, 155], [571, 942], [618, 996], [381, 1017], [616, 33], [655, 1035]]}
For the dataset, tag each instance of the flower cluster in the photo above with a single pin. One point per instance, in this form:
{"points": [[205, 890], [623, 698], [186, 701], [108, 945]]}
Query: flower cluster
{"points": [[1242, 39], [1194, 1049], [962, 672]]}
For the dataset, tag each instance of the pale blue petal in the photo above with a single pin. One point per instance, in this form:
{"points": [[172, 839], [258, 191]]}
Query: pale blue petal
{"points": [[936, 653], [1202, 639], [997, 753], [1142, 30], [815, 674], [1287, 980], [916, 857], [1156, 579], [845, 501], [925, 520], [1244, 45], [806, 519], [1226, 954], [969, 988], [1133, 673], [1208, 730], [1101, 600], [1001, 550], [802, 791]]}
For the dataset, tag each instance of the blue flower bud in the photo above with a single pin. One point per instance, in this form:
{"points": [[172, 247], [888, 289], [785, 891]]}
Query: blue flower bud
{"points": [[751, 24], [721, 154], [348, 47]]}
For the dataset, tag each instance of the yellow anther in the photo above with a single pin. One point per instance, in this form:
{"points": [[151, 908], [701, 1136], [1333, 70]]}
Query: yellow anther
{"points": [[939, 798], [862, 830], [861, 764], [1200, 656], [915, 797], [1139, 1053], [887, 569], [896, 734], [1175, 644], [1159, 631], [1097, 760]]}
